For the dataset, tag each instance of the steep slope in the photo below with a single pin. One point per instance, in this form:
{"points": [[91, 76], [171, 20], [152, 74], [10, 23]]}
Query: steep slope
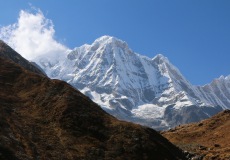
{"points": [[129, 86], [8, 53], [48, 119], [209, 138], [217, 92]]}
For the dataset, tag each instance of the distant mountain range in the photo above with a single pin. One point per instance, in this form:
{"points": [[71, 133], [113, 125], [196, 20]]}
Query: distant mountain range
{"points": [[135, 88]]}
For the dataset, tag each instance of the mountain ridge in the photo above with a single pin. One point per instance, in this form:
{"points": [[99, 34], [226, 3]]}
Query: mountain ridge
{"points": [[42, 118], [129, 85], [8, 53]]}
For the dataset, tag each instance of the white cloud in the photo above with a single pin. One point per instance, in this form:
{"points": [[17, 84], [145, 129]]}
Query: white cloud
{"points": [[32, 35]]}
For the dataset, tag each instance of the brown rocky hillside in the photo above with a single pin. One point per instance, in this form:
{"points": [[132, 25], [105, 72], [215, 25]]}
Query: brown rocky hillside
{"points": [[209, 138], [8, 53], [48, 119]]}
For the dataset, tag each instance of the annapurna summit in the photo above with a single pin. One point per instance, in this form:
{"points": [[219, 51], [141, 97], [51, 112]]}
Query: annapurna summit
{"points": [[136, 88]]}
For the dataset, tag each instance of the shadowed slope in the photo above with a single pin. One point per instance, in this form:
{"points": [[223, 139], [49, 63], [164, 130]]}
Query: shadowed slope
{"points": [[209, 137], [48, 119], [8, 53]]}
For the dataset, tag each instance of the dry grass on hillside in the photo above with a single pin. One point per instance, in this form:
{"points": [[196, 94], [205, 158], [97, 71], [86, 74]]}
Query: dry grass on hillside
{"points": [[210, 137]]}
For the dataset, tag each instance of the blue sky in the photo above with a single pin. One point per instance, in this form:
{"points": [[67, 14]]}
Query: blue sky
{"points": [[193, 34]]}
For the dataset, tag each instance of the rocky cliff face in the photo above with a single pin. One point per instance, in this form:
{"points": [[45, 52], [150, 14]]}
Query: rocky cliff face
{"points": [[217, 92], [135, 88], [48, 119]]}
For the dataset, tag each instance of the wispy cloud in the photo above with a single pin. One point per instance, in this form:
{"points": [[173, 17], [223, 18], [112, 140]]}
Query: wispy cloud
{"points": [[32, 35]]}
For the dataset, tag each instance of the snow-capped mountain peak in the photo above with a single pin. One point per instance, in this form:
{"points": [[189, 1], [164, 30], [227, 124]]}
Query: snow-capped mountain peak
{"points": [[159, 58], [223, 78], [109, 40], [135, 88]]}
